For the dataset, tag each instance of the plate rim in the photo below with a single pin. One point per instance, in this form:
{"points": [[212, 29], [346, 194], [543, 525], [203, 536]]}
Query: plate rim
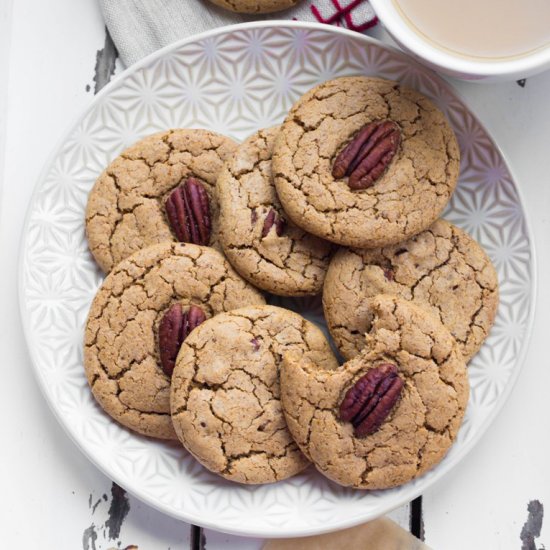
{"points": [[191, 517]]}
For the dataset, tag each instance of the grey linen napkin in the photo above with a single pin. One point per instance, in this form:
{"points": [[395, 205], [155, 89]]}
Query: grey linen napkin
{"points": [[139, 27]]}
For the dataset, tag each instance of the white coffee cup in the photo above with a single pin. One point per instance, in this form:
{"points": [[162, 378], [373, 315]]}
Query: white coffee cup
{"points": [[456, 65]]}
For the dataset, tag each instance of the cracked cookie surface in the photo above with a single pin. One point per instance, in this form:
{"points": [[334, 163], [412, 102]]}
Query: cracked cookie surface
{"points": [[406, 199], [421, 426], [225, 392], [125, 210], [291, 264], [442, 269], [121, 355], [255, 6]]}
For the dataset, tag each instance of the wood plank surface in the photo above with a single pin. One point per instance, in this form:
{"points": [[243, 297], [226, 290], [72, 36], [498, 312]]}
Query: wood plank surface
{"points": [[58, 57]]}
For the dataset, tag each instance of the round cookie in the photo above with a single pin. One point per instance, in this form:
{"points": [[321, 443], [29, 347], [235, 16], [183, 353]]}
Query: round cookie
{"points": [[225, 392], [255, 6], [121, 355], [405, 199], [441, 269], [262, 246], [416, 430], [126, 207]]}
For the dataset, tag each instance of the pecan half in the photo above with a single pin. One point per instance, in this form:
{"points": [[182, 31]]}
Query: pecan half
{"points": [[273, 219], [174, 328], [368, 154], [370, 400], [188, 212]]}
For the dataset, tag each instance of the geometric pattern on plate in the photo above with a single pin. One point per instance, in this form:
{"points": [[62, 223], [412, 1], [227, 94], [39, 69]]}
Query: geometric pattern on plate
{"points": [[234, 81]]}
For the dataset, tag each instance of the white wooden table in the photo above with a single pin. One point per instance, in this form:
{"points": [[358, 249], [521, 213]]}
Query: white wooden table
{"points": [[53, 56]]}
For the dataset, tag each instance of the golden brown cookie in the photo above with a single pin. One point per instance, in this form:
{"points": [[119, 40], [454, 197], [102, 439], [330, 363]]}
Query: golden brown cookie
{"points": [[441, 269], [266, 249], [225, 392], [388, 415], [255, 6], [121, 348], [403, 162], [126, 208]]}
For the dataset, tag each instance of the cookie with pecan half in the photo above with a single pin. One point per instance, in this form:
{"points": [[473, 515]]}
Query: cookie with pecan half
{"points": [[145, 308], [388, 415], [365, 162], [161, 189]]}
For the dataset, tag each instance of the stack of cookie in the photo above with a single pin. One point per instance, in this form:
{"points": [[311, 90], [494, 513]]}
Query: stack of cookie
{"points": [[344, 198]]}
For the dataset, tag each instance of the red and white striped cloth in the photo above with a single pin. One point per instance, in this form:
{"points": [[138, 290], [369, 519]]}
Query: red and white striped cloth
{"points": [[139, 27], [356, 15]]}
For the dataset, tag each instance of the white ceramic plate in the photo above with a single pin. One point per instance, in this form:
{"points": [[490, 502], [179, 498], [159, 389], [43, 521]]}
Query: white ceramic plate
{"points": [[235, 80]]}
